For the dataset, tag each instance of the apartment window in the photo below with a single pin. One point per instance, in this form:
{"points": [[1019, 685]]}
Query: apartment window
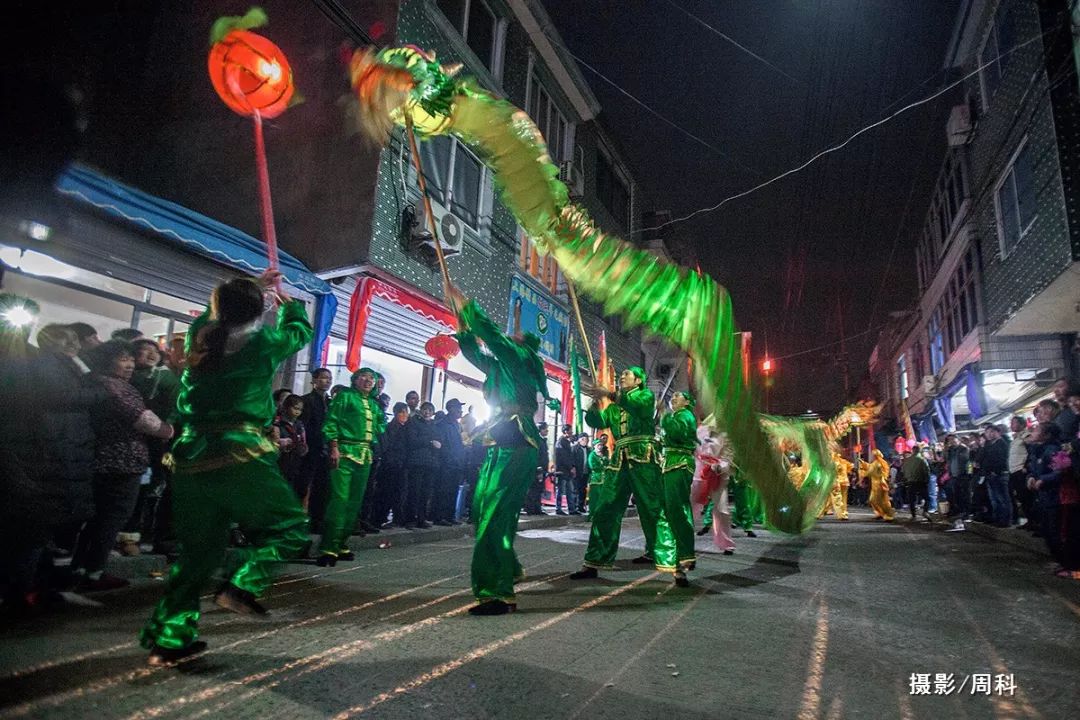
{"points": [[901, 376], [959, 310], [475, 21], [612, 191], [937, 347], [552, 124], [999, 39], [455, 178], [1016, 200]]}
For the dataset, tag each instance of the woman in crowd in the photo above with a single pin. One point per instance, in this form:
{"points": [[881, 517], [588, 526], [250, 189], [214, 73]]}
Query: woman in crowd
{"points": [[121, 455]]}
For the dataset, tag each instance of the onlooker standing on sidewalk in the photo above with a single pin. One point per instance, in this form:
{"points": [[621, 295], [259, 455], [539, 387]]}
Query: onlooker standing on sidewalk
{"points": [[392, 481], [424, 446], [121, 455], [581, 473], [959, 489], [564, 470], [995, 466], [1045, 481], [1020, 496], [916, 473], [534, 497], [292, 443], [315, 472], [451, 465], [1066, 419]]}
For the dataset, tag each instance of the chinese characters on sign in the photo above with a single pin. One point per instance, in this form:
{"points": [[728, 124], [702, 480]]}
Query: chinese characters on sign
{"points": [[973, 684], [532, 311]]}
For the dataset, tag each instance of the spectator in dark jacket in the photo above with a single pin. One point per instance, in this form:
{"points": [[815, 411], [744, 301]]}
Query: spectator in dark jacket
{"points": [[916, 473], [392, 481], [315, 471], [48, 401], [959, 488], [292, 442], [565, 472], [121, 455], [425, 441], [581, 473], [451, 464], [1045, 481], [1066, 419], [995, 467]]}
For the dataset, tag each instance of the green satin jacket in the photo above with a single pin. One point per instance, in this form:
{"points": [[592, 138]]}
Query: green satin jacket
{"points": [[225, 414], [355, 421], [630, 419], [678, 436]]}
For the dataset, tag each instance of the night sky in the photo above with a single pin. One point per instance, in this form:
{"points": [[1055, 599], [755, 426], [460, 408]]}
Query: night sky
{"points": [[805, 256]]}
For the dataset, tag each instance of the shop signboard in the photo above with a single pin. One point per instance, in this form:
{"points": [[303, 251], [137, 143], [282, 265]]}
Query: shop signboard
{"points": [[535, 312]]}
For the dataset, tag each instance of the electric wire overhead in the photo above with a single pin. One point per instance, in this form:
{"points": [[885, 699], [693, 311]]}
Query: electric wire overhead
{"points": [[844, 143], [731, 40]]}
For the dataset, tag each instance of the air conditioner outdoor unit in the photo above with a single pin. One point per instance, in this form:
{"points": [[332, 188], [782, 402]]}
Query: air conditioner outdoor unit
{"points": [[958, 128], [450, 229], [571, 177]]}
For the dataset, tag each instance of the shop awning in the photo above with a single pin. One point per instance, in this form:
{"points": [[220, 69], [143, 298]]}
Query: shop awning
{"points": [[191, 230], [199, 234]]}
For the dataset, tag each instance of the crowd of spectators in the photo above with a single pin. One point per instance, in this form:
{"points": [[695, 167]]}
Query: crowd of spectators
{"points": [[426, 463], [1023, 477], [86, 431]]}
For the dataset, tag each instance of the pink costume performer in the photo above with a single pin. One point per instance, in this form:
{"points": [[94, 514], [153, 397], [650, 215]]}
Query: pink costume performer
{"points": [[713, 466]]}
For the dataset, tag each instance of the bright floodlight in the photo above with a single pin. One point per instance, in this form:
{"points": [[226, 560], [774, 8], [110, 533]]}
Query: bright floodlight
{"points": [[19, 316]]}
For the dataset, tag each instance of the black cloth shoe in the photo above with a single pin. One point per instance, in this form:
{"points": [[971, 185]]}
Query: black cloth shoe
{"points": [[423, 525], [346, 556], [681, 581], [238, 601], [560, 512], [585, 573], [729, 552], [168, 657], [643, 560], [326, 560], [751, 533], [704, 531], [493, 607]]}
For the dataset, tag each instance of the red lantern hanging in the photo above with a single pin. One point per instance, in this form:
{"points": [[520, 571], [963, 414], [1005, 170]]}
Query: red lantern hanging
{"points": [[441, 348], [251, 74]]}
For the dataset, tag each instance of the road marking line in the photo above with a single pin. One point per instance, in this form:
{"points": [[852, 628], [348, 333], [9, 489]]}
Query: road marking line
{"points": [[637, 656], [326, 658], [335, 653], [448, 667], [209, 622], [811, 699]]}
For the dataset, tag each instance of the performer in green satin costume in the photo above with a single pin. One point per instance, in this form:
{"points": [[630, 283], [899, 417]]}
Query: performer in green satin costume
{"points": [[678, 437], [598, 473], [747, 508], [225, 466], [354, 422], [514, 376], [634, 467]]}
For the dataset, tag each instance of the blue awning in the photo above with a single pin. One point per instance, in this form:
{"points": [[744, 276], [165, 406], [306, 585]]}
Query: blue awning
{"points": [[191, 230], [197, 233]]}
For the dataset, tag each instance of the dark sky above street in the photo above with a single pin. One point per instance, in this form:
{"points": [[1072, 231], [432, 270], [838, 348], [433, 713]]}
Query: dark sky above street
{"points": [[807, 255]]}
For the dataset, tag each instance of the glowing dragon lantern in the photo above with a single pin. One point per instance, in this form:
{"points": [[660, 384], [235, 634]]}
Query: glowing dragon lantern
{"points": [[253, 78]]}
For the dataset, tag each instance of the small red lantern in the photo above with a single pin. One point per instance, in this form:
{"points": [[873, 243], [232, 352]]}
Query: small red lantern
{"points": [[251, 74], [442, 347]]}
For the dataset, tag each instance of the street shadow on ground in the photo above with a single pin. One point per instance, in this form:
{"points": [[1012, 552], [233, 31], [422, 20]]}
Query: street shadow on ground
{"points": [[487, 687]]}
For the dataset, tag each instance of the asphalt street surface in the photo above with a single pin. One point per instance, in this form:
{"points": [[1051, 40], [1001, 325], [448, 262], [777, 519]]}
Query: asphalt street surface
{"points": [[833, 624]]}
